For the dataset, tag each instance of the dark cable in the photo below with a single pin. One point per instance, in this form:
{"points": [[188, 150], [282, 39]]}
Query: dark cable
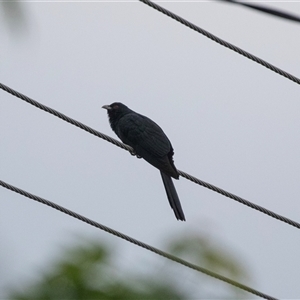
{"points": [[221, 42], [128, 148], [134, 241], [66, 118], [268, 10], [241, 200]]}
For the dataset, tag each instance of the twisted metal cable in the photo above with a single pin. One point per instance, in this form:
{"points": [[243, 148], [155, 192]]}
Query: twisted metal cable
{"points": [[128, 148], [221, 42], [268, 10], [240, 200], [134, 241], [66, 118]]}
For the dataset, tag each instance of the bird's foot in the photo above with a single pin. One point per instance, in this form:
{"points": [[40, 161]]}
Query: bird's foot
{"points": [[132, 152]]}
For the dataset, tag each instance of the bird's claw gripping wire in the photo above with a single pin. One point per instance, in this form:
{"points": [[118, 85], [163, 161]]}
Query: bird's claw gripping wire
{"points": [[133, 153]]}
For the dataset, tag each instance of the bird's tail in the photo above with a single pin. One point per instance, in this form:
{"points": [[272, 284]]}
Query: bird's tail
{"points": [[172, 196]]}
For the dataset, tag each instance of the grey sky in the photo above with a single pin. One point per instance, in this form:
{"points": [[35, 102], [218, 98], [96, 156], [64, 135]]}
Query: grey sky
{"points": [[231, 121]]}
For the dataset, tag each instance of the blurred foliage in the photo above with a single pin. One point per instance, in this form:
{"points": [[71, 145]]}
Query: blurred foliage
{"points": [[14, 16], [89, 272], [200, 251], [84, 272]]}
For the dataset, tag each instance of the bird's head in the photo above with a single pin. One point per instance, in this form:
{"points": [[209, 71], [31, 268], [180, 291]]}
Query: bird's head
{"points": [[116, 110]]}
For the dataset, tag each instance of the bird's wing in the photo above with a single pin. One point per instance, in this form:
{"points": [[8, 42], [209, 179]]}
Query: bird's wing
{"points": [[143, 134]]}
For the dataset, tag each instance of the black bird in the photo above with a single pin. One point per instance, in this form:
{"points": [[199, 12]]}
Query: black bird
{"points": [[149, 142]]}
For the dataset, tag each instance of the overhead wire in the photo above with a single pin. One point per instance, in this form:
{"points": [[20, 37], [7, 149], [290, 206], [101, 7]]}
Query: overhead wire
{"points": [[222, 42], [268, 10], [135, 241], [128, 148]]}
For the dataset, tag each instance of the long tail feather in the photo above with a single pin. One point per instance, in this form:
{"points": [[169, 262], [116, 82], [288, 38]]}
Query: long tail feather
{"points": [[172, 196]]}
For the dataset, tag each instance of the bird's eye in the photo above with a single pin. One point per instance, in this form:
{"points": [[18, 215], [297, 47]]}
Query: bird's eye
{"points": [[115, 106]]}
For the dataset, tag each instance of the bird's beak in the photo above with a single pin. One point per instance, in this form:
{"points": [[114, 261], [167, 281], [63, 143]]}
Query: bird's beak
{"points": [[106, 107]]}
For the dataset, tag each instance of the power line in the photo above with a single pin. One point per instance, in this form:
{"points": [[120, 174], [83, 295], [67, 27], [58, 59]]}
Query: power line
{"points": [[240, 200], [221, 42], [268, 10], [66, 118], [128, 148], [134, 241]]}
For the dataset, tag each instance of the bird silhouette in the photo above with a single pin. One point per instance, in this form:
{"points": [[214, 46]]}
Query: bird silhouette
{"points": [[149, 142]]}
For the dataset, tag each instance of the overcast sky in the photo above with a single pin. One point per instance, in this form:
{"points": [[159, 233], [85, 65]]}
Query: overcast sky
{"points": [[232, 123]]}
